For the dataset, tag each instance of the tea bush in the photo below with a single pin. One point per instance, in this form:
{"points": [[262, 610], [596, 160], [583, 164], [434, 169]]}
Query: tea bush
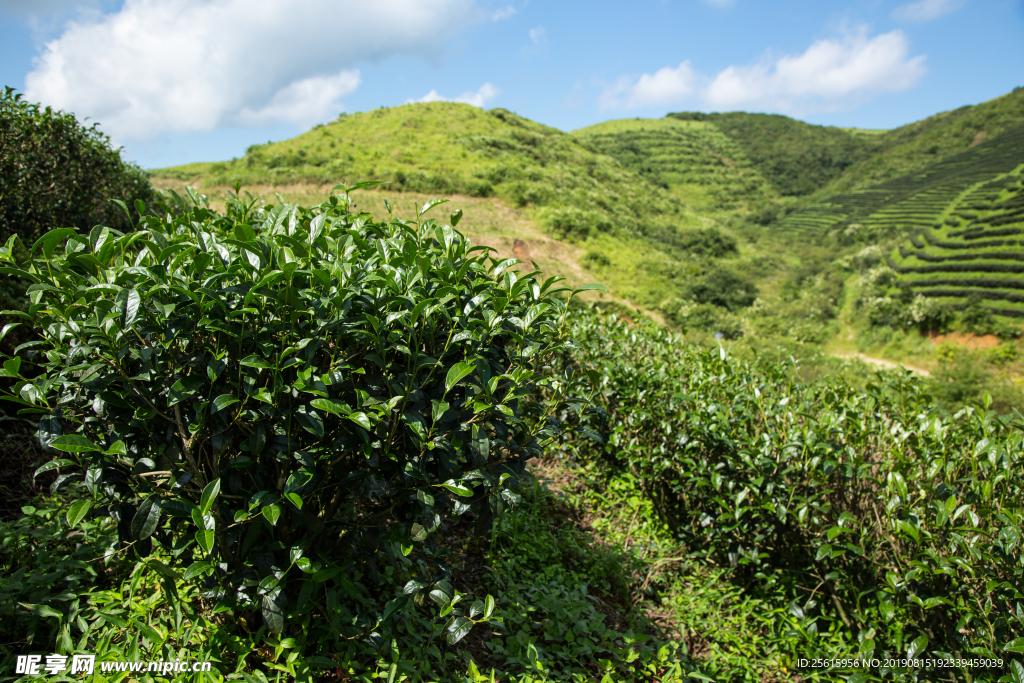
{"points": [[57, 173], [288, 403], [893, 527]]}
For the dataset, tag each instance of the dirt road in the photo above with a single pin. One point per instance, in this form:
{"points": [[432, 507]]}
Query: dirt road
{"points": [[883, 363]]}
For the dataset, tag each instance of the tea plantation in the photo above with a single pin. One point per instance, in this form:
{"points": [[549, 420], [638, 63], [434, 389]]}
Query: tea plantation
{"points": [[339, 441], [972, 253]]}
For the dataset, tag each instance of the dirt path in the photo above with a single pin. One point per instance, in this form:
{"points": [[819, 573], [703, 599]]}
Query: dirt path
{"points": [[883, 363]]}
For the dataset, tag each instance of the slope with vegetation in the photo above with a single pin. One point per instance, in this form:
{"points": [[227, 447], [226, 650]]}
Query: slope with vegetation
{"points": [[912, 147], [910, 202], [622, 228], [853, 515], [693, 159], [796, 158], [447, 148], [975, 252]]}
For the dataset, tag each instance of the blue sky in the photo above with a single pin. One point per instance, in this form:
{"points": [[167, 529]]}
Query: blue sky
{"points": [[175, 81]]}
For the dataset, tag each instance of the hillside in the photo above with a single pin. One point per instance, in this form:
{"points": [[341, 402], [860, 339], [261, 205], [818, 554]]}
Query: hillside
{"points": [[600, 219], [976, 251], [912, 201], [692, 159], [795, 157], [918, 145], [447, 148]]}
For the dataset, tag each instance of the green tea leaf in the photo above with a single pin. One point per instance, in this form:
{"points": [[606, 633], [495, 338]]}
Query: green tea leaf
{"points": [[205, 540], [456, 373], [1015, 645], [77, 512], [208, 496], [331, 406], [272, 513], [52, 465], [43, 611], [457, 488], [146, 519], [360, 419], [457, 629], [73, 443], [430, 205]]}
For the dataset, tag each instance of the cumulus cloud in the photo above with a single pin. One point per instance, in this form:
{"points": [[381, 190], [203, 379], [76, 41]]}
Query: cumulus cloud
{"points": [[831, 75], [194, 65], [926, 10], [485, 94], [304, 102], [665, 86]]}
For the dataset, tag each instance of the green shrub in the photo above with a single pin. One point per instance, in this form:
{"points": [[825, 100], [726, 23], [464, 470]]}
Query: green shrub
{"points": [[291, 402], [709, 242], [975, 317], [893, 527], [57, 173], [722, 287]]}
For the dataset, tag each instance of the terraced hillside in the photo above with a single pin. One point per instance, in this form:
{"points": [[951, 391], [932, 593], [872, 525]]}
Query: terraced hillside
{"points": [[915, 146], [977, 252], [693, 159], [911, 202], [795, 157]]}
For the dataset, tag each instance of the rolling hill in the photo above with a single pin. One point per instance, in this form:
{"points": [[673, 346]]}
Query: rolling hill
{"points": [[635, 203], [611, 223], [796, 158], [447, 148], [693, 159]]}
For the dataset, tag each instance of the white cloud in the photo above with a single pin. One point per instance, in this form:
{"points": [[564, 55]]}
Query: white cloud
{"points": [[665, 86], [503, 13], [926, 10], [538, 43], [194, 65], [304, 102], [485, 94], [720, 3], [830, 75]]}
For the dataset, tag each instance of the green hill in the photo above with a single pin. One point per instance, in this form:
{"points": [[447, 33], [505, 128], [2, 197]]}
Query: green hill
{"points": [[977, 252], [913, 147], [693, 159], [912, 201], [610, 222], [796, 158], [447, 148]]}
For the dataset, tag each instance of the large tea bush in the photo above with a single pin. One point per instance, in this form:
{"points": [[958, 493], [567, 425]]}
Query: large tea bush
{"points": [[289, 402], [892, 528], [57, 173]]}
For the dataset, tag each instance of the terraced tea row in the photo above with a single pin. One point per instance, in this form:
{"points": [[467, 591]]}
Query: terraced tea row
{"points": [[957, 260], [919, 200], [694, 159]]}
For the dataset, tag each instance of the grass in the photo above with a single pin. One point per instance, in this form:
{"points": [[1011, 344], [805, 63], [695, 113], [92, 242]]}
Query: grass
{"points": [[447, 148], [693, 159], [796, 158], [920, 144]]}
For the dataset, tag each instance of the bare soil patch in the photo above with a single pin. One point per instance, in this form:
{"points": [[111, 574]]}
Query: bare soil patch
{"points": [[968, 341]]}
